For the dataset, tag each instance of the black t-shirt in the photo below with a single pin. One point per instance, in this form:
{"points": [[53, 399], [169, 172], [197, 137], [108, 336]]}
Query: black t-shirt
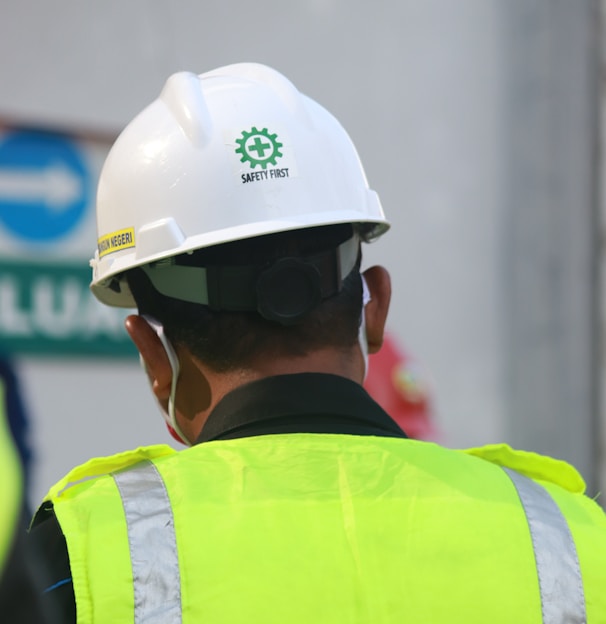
{"points": [[301, 403]]}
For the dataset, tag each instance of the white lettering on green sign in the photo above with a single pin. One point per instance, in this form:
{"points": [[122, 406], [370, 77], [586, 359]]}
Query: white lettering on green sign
{"points": [[51, 310]]}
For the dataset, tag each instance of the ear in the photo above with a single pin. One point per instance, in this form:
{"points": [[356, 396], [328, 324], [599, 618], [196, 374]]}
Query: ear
{"points": [[153, 355], [379, 284]]}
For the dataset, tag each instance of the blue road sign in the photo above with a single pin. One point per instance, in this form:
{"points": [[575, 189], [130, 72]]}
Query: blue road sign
{"points": [[45, 185]]}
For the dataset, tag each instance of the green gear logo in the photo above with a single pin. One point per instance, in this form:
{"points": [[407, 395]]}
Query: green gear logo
{"points": [[258, 147]]}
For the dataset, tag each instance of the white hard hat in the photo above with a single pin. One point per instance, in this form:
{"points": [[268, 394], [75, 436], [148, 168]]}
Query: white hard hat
{"points": [[234, 153]]}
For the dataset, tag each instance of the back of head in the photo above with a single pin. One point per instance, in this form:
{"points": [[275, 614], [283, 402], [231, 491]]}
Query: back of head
{"points": [[234, 196], [281, 316]]}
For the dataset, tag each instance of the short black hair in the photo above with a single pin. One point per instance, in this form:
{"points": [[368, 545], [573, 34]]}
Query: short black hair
{"points": [[227, 340]]}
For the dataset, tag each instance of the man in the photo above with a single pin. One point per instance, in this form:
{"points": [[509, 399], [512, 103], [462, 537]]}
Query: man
{"points": [[230, 212], [21, 575], [395, 382], [17, 416]]}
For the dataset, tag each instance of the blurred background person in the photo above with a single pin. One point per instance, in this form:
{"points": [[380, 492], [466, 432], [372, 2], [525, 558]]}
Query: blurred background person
{"points": [[399, 384], [22, 573], [17, 415]]}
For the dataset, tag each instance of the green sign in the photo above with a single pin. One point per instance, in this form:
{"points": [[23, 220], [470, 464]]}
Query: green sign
{"points": [[48, 309]]}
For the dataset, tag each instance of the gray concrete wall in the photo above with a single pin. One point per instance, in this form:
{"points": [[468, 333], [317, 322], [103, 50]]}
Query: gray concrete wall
{"points": [[422, 89], [549, 226], [600, 428]]}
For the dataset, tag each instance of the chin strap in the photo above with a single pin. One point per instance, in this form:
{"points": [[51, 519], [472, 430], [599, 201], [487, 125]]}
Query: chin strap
{"points": [[169, 417], [362, 332]]}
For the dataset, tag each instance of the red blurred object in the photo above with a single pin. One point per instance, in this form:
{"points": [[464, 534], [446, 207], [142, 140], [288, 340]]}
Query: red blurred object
{"points": [[395, 383]]}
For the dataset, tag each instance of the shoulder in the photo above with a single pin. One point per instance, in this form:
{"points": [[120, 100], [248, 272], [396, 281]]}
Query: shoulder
{"points": [[538, 467], [99, 467], [562, 480]]}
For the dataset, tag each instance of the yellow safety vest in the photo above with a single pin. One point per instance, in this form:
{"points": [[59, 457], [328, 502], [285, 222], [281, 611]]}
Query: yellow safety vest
{"points": [[332, 529], [11, 484]]}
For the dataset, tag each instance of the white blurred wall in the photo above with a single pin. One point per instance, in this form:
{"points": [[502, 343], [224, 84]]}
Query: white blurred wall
{"points": [[422, 87]]}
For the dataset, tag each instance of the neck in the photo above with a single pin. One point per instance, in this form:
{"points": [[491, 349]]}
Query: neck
{"points": [[202, 388]]}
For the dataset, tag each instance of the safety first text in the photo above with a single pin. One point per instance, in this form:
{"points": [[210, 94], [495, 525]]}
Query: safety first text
{"points": [[257, 176]]}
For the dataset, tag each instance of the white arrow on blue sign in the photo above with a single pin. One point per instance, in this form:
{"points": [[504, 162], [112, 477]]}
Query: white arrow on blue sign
{"points": [[45, 185]]}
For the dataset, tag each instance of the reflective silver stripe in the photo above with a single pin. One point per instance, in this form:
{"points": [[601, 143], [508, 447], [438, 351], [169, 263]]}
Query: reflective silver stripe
{"points": [[152, 543], [560, 582]]}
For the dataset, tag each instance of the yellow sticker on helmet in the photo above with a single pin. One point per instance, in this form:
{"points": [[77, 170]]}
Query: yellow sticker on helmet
{"points": [[116, 241]]}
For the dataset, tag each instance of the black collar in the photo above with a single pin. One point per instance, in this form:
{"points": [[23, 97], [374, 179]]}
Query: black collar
{"points": [[301, 403]]}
